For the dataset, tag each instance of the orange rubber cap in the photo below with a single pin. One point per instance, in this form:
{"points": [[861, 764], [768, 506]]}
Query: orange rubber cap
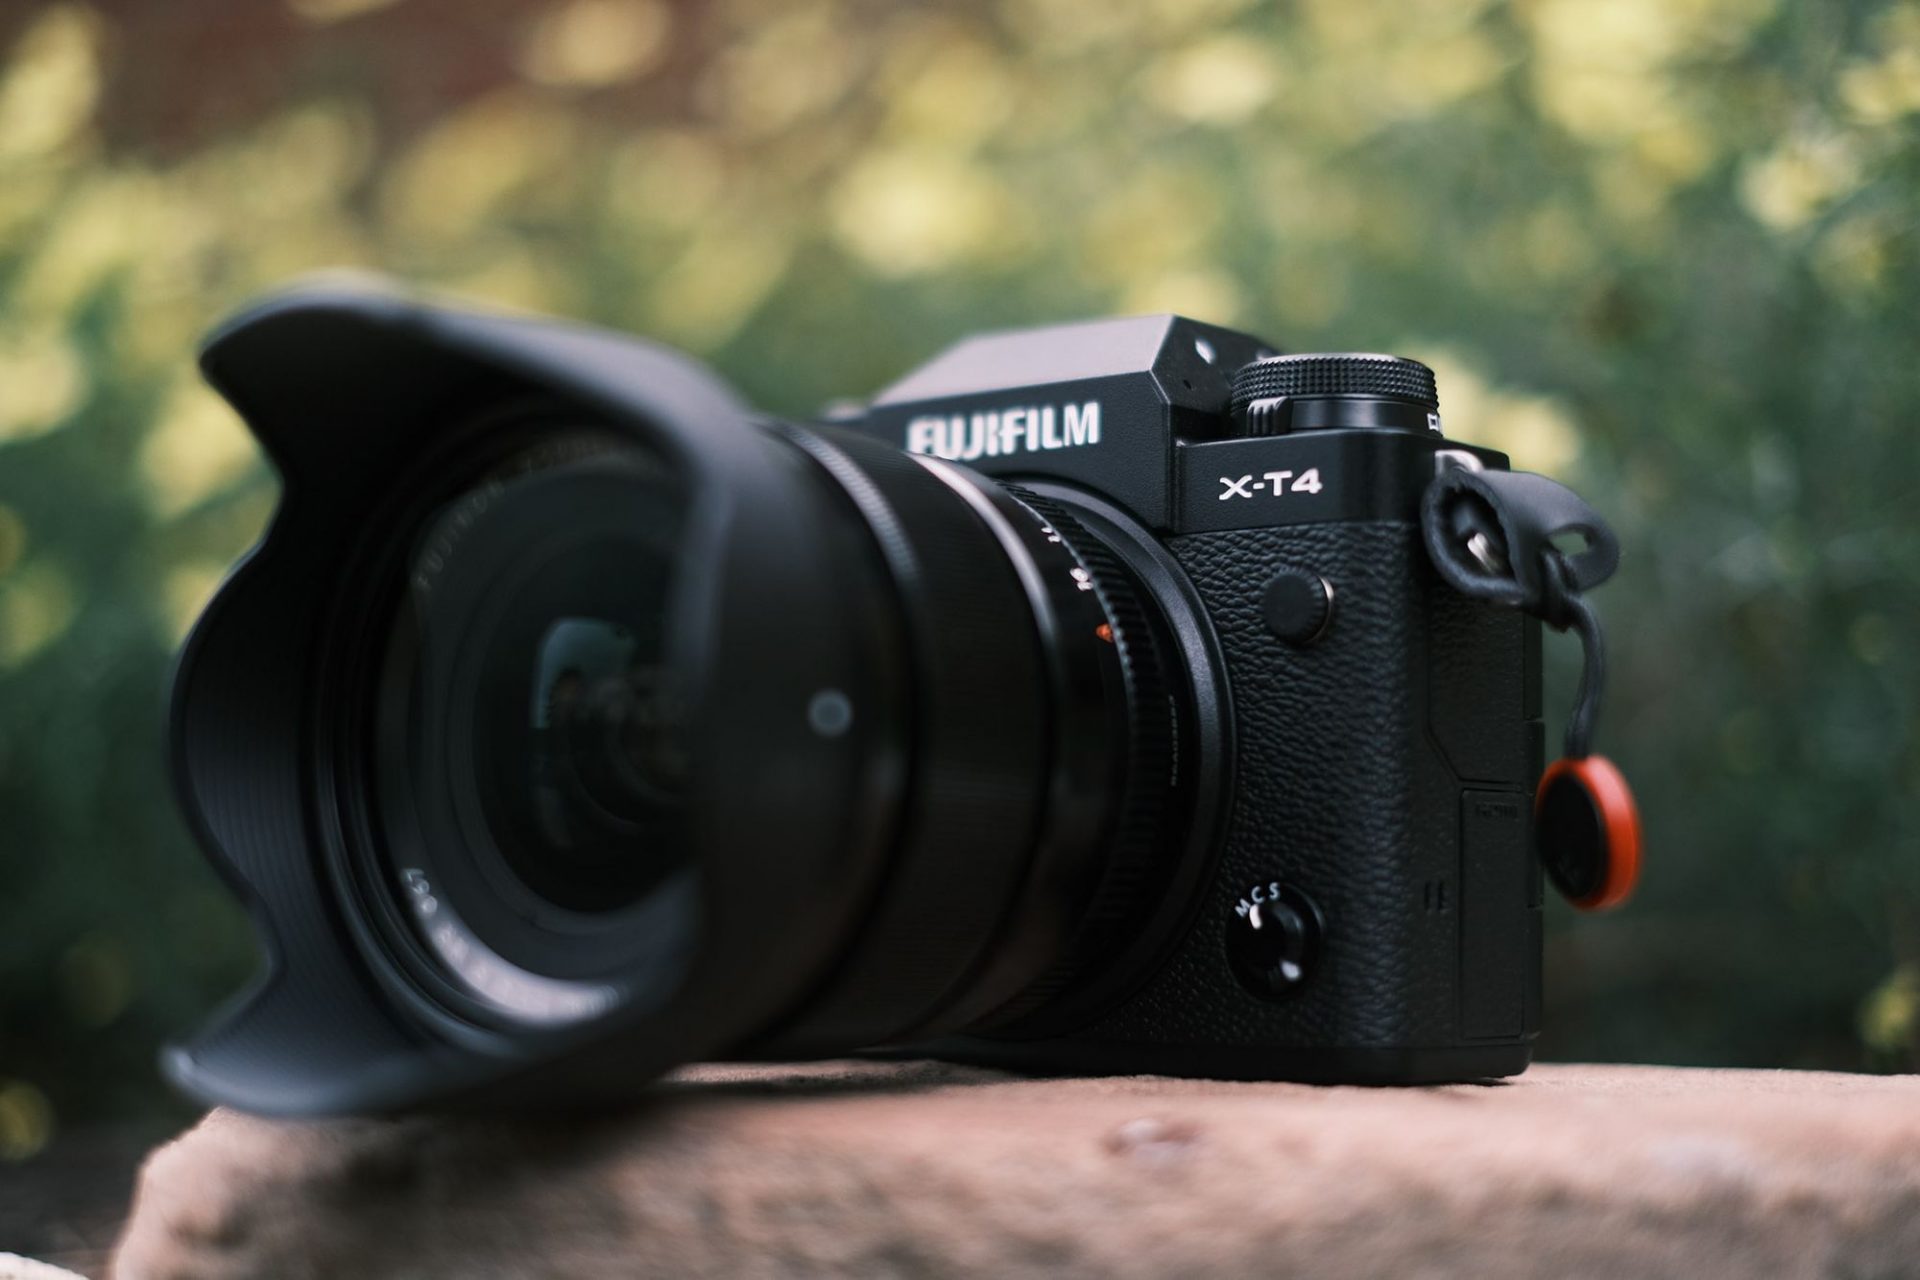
{"points": [[1587, 830]]}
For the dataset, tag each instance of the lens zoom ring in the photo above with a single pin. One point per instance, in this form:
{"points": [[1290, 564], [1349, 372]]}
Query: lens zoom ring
{"points": [[975, 791]]}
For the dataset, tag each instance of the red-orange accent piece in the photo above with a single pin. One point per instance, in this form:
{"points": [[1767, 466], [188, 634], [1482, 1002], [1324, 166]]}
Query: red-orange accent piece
{"points": [[1612, 799]]}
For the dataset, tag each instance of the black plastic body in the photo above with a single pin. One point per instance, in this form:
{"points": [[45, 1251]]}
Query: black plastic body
{"points": [[1385, 769]]}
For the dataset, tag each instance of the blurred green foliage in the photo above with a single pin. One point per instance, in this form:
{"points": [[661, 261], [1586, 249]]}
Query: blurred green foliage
{"points": [[1668, 249]]}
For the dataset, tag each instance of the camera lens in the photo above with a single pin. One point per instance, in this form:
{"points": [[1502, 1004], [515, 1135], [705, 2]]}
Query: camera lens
{"points": [[572, 722], [550, 741]]}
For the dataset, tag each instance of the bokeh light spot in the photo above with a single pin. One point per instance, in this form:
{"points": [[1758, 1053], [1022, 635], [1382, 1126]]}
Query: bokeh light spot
{"points": [[1855, 254], [1890, 1015], [103, 228], [1786, 188], [13, 539], [1883, 89], [42, 381], [26, 1120], [96, 980], [1536, 432], [788, 66], [905, 212], [1219, 80], [454, 181], [321, 12], [591, 43], [48, 88], [185, 591], [196, 449], [37, 605], [718, 283], [666, 177]]}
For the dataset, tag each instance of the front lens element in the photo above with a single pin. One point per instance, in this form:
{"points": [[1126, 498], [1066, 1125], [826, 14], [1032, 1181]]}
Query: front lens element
{"points": [[532, 759]]}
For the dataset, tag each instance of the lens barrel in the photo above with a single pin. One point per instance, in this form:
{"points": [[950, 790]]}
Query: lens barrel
{"points": [[526, 823]]}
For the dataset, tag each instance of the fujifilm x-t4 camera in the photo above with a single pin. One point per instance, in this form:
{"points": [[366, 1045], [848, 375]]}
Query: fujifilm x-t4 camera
{"points": [[1120, 697]]}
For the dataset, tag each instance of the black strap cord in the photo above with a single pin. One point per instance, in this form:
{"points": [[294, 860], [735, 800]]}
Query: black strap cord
{"points": [[1491, 536], [1581, 618]]}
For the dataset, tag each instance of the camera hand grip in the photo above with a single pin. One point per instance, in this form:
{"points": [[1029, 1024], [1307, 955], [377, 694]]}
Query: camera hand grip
{"points": [[1491, 535]]}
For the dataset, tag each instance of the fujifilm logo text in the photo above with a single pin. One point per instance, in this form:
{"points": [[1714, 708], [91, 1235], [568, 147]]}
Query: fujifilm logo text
{"points": [[994, 433]]}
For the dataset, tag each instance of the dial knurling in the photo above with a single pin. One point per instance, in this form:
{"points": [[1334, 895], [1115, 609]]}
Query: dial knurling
{"points": [[1338, 374]]}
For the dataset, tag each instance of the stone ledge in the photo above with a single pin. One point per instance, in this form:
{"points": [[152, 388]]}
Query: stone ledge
{"points": [[923, 1169]]}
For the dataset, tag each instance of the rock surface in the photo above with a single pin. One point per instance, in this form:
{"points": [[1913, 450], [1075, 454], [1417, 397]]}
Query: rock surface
{"points": [[919, 1169]]}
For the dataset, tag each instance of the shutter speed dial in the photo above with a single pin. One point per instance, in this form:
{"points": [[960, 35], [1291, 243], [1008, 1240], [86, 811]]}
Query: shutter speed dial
{"points": [[1283, 394]]}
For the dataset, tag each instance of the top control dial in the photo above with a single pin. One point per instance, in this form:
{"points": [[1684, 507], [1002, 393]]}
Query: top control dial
{"points": [[1281, 394]]}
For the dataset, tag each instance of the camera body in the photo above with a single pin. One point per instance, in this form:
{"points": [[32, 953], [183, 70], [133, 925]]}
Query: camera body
{"points": [[1092, 699], [1368, 906]]}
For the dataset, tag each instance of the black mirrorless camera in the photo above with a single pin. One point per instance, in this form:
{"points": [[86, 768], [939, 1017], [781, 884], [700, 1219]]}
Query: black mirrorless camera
{"points": [[1120, 697]]}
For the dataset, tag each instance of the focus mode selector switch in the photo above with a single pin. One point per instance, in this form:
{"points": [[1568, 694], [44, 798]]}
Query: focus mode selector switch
{"points": [[1297, 606], [1274, 939]]}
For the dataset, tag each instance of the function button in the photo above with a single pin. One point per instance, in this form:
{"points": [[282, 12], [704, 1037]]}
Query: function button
{"points": [[1297, 606]]}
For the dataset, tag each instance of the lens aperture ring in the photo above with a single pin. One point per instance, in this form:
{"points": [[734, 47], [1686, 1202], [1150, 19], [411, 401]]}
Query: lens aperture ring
{"points": [[1145, 765]]}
